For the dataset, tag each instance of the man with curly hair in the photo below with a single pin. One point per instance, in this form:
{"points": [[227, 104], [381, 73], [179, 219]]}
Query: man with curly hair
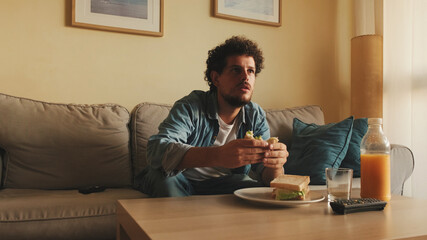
{"points": [[200, 147]]}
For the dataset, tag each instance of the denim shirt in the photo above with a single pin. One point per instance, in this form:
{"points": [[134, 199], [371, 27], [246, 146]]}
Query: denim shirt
{"points": [[193, 122]]}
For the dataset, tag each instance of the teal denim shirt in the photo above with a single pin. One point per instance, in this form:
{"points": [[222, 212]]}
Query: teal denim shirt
{"points": [[193, 122]]}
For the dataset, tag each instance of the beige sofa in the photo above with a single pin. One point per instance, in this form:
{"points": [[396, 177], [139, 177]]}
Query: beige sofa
{"points": [[48, 151]]}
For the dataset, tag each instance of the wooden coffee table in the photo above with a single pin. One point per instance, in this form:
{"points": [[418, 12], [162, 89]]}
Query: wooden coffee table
{"points": [[229, 217]]}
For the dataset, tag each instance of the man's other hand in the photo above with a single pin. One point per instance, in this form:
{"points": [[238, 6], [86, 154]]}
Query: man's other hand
{"points": [[274, 159]]}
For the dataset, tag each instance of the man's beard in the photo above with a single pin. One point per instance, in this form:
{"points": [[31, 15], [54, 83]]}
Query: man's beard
{"points": [[236, 101]]}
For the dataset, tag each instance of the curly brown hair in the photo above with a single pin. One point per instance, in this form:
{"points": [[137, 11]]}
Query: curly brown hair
{"points": [[236, 45]]}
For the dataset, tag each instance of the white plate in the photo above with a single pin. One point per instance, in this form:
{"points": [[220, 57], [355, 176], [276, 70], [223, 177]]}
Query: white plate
{"points": [[264, 195]]}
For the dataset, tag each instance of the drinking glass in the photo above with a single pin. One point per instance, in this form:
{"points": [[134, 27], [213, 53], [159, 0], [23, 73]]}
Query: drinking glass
{"points": [[338, 181]]}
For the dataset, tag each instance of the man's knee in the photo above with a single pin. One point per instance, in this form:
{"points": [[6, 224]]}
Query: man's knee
{"points": [[175, 186], [154, 183]]}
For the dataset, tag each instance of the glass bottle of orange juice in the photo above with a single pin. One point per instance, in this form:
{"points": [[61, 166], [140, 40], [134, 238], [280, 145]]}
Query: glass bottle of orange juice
{"points": [[375, 162]]}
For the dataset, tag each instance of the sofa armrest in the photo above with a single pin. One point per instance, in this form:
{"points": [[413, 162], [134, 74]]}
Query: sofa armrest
{"points": [[402, 166]]}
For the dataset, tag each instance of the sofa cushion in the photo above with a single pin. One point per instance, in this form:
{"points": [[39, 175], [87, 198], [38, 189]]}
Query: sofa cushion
{"points": [[316, 147], [281, 121], [352, 158], [63, 146], [145, 120], [60, 214]]}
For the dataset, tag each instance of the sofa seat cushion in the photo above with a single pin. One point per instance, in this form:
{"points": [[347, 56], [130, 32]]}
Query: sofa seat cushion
{"points": [[63, 146], [47, 214], [35, 205]]}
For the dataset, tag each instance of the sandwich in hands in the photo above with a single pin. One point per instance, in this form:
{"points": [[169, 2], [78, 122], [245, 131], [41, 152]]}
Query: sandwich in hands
{"points": [[290, 187], [250, 135]]}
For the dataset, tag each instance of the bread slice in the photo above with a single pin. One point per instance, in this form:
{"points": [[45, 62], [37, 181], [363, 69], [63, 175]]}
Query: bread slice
{"points": [[291, 182], [273, 140]]}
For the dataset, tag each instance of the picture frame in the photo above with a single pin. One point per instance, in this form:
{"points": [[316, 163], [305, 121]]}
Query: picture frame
{"points": [[265, 12], [143, 17]]}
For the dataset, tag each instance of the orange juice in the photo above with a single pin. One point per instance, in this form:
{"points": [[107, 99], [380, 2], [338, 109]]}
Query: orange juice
{"points": [[375, 176]]}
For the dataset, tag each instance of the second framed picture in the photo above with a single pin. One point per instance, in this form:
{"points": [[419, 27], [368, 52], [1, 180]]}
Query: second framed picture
{"points": [[266, 12]]}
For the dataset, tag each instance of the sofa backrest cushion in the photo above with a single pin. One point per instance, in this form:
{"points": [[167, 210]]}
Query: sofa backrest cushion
{"points": [[146, 117], [145, 120], [281, 120], [63, 146]]}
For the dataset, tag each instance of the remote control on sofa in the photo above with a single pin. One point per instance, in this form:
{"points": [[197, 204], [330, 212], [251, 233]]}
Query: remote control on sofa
{"points": [[91, 189]]}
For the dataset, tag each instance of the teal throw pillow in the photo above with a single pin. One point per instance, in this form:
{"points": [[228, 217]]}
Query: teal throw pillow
{"points": [[316, 147], [352, 158]]}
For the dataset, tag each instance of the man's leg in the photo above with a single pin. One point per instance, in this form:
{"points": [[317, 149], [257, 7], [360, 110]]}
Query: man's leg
{"points": [[154, 183], [224, 185]]}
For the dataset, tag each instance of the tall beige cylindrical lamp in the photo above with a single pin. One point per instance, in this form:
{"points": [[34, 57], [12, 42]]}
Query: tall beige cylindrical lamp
{"points": [[367, 76]]}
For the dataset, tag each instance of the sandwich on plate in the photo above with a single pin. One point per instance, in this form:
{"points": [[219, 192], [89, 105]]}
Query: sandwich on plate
{"points": [[290, 187]]}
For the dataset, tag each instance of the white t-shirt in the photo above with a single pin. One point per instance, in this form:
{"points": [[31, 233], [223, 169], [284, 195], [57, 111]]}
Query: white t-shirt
{"points": [[226, 134]]}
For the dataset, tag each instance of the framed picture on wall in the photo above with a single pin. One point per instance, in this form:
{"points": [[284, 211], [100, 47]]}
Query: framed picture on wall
{"points": [[127, 16], [266, 12]]}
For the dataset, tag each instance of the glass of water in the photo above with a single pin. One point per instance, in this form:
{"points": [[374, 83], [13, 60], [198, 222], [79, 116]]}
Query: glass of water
{"points": [[338, 181]]}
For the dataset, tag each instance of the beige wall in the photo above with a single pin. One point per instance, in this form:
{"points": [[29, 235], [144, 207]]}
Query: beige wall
{"points": [[44, 58]]}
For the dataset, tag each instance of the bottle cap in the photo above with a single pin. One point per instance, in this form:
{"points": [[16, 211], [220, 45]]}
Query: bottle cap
{"points": [[375, 120]]}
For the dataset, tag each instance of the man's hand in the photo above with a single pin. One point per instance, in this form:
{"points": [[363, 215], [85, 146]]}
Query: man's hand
{"points": [[274, 159], [242, 152], [236, 153], [277, 156]]}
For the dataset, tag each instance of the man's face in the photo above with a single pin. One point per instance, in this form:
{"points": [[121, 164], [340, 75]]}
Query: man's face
{"points": [[235, 84]]}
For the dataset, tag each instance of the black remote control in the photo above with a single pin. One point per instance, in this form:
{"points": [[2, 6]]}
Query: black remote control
{"points": [[357, 205], [91, 189]]}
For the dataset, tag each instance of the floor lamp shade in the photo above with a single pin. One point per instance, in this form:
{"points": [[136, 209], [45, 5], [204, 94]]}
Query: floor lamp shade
{"points": [[367, 76]]}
